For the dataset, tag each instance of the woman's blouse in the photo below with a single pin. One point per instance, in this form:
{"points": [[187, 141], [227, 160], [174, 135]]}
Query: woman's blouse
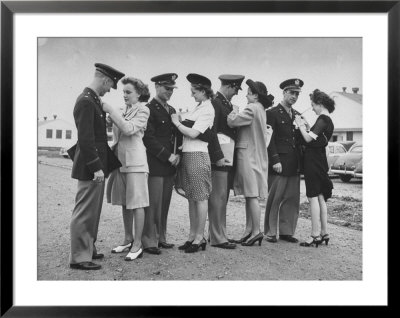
{"points": [[203, 116]]}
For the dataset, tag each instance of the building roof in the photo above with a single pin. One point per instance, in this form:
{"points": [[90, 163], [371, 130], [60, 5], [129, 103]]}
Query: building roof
{"points": [[355, 97], [348, 111], [45, 122]]}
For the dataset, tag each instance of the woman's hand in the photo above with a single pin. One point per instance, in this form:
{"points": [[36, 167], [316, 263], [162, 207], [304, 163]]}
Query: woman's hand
{"points": [[175, 119], [299, 120], [107, 107]]}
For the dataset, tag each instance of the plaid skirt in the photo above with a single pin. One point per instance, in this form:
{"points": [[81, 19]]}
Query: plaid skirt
{"points": [[196, 175]]}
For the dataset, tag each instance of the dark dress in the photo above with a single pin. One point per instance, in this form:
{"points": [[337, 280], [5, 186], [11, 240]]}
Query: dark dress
{"points": [[315, 161]]}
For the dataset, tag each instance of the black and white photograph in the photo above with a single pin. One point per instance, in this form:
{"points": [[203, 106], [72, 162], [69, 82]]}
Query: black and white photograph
{"points": [[200, 158]]}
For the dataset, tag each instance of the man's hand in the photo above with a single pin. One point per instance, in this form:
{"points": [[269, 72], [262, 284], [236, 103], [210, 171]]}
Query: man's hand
{"points": [[277, 167], [98, 176], [222, 162], [174, 159]]}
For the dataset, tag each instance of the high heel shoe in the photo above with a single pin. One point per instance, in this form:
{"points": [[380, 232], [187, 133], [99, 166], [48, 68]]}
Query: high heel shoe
{"points": [[316, 240], [185, 245], [134, 255], [259, 237], [243, 239], [122, 248], [325, 238], [193, 248]]}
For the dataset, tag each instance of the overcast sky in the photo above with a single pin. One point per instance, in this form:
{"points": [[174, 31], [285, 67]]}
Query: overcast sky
{"points": [[66, 66]]}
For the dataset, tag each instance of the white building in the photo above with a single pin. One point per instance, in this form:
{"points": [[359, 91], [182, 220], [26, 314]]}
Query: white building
{"points": [[347, 116], [56, 133]]}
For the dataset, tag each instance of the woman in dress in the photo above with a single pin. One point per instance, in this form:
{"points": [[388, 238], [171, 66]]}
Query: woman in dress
{"points": [[128, 185], [196, 165], [251, 175], [318, 185]]}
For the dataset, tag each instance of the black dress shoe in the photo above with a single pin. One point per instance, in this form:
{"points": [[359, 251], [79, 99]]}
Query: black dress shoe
{"points": [[241, 240], [226, 245], [165, 245], [97, 256], [271, 239], [288, 238], [152, 250], [85, 266], [185, 245]]}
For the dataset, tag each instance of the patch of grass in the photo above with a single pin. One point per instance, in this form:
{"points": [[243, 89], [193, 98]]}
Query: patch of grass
{"points": [[345, 214]]}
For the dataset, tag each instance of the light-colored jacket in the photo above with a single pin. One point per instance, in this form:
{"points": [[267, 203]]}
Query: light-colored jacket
{"points": [[251, 145], [128, 136]]}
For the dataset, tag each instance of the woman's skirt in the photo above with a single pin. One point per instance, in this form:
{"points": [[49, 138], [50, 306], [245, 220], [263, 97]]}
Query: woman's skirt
{"points": [[316, 173], [129, 189], [196, 175]]}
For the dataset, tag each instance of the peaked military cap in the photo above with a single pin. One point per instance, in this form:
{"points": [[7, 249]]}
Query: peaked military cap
{"points": [[167, 79], [294, 84], [110, 72], [233, 80], [198, 79]]}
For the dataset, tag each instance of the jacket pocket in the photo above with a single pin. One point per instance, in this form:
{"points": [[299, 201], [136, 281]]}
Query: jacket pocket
{"points": [[135, 157]]}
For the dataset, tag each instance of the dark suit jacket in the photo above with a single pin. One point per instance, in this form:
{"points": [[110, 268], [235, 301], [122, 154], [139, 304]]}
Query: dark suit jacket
{"points": [[92, 151], [159, 139], [285, 141]]}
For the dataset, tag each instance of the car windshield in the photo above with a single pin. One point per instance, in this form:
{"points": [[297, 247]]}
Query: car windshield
{"points": [[357, 149]]}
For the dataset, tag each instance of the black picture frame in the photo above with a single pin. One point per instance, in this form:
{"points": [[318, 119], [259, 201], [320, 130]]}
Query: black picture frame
{"points": [[9, 8]]}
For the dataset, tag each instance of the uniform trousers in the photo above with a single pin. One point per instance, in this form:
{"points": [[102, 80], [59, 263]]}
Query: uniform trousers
{"points": [[155, 224], [283, 204], [217, 207], [85, 220]]}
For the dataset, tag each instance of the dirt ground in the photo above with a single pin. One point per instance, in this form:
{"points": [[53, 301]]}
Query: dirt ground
{"points": [[340, 260]]}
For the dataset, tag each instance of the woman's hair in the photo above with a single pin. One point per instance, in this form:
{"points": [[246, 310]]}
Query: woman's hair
{"points": [[140, 88], [322, 98], [208, 90]]}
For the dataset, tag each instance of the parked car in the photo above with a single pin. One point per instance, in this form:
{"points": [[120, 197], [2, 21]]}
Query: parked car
{"points": [[347, 144], [63, 152], [349, 165], [334, 150]]}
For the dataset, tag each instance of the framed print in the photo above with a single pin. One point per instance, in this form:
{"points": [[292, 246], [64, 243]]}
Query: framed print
{"points": [[52, 51]]}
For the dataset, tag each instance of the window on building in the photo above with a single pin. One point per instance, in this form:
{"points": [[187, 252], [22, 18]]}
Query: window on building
{"points": [[109, 138], [58, 133], [334, 138], [49, 133], [68, 134], [349, 136], [109, 129]]}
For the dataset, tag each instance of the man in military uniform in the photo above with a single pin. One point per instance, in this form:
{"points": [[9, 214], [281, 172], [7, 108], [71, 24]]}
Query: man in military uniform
{"points": [[91, 164], [284, 173], [159, 139], [230, 85]]}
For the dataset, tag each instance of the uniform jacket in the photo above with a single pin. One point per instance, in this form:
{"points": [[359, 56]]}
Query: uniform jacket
{"points": [[222, 109], [284, 146], [128, 141], [159, 139], [251, 146], [92, 151]]}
